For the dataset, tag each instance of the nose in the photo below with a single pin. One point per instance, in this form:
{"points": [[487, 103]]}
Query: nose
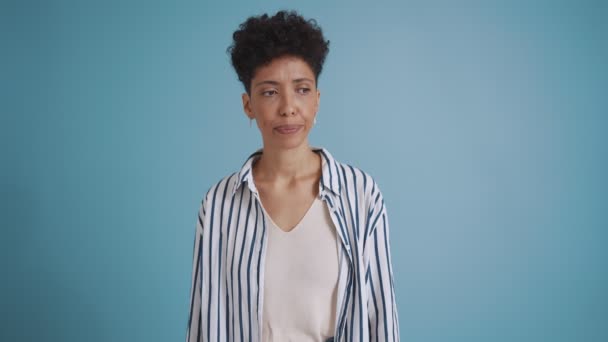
{"points": [[288, 106]]}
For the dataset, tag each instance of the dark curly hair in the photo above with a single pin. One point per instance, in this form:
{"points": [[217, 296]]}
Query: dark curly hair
{"points": [[260, 39]]}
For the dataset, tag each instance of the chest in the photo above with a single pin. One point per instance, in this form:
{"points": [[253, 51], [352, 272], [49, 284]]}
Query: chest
{"points": [[288, 206]]}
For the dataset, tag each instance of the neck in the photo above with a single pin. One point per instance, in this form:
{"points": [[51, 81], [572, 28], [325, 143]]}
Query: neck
{"points": [[280, 164]]}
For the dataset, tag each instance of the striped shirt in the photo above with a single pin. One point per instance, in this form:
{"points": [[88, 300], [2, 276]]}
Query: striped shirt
{"points": [[230, 246]]}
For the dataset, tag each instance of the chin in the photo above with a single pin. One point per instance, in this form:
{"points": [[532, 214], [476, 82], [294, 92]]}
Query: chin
{"points": [[290, 143]]}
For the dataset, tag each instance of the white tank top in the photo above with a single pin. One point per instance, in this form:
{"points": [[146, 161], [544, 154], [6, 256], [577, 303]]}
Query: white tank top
{"points": [[301, 277]]}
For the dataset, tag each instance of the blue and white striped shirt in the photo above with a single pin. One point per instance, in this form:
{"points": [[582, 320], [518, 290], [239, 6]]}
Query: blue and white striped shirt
{"points": [[230, 247]]}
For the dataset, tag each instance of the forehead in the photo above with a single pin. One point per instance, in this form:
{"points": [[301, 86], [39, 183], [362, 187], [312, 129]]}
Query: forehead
{"points": [[283, 69]]}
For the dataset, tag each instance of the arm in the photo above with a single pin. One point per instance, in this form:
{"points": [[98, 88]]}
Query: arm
{"points": [[193, 332], [382, 306]]}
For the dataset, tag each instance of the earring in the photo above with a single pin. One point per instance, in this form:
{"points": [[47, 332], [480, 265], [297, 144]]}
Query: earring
{"points": [[314, 122], [250, 121]]}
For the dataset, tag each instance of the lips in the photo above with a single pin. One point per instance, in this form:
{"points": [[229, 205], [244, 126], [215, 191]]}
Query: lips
{"points": [[288, 129]]}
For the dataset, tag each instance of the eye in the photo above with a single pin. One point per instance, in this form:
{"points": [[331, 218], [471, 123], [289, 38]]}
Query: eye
{"points": [[269, 92], [303, 90]]}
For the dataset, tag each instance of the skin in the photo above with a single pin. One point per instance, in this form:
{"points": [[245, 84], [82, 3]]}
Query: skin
{"points": [[288, 172]]}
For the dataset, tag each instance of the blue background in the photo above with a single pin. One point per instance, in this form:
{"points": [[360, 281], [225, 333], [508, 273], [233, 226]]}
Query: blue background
{"points": [[484, 124]]}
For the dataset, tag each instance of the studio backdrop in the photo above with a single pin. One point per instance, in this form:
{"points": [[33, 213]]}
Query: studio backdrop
{"points": [[483, 122]]}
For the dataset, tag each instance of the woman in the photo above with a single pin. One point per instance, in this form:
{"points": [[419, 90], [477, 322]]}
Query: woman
{"points": [[294, 246]]}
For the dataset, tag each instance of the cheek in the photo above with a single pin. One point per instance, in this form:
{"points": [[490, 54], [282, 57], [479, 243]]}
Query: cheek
{"points": [[267, 125]]}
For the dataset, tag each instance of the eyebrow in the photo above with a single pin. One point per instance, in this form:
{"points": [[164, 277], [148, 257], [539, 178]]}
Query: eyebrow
{"points": [[297, 80]]}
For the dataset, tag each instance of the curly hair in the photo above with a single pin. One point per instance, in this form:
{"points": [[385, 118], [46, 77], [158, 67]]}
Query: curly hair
{"points": [[260, 39]]}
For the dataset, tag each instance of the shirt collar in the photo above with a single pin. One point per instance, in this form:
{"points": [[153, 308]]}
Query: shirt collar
{"points": [[330, 179]]}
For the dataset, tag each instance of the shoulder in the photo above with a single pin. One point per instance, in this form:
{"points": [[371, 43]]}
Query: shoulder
{"points": [[353, 177], [360, 184], [220, 190], [224, 188]]}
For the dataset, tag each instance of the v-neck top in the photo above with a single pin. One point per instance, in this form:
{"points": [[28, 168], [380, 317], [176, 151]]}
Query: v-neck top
{"points": [[301, 278], [230, 254]]}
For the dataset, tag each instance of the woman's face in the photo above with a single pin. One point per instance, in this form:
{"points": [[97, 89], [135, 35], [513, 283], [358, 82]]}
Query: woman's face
{"points": [[284, 101]]}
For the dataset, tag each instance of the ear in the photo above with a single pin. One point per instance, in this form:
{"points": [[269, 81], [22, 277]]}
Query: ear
{"points": [[247, 106], [318, 100]]}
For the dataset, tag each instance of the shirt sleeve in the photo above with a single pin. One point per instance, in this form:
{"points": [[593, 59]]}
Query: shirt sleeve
{"points": [[193, 331], [382, 306]]}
